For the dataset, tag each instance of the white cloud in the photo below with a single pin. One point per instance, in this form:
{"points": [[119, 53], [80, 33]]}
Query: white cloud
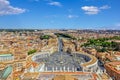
{"points": [[118, 24], [72, 16], [90, 9], [7, 9], [105, 7], [34, 0], [93, 9], [55, 4]]}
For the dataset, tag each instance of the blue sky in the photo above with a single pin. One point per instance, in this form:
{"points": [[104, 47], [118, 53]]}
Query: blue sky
{"points": [[60, 14]]}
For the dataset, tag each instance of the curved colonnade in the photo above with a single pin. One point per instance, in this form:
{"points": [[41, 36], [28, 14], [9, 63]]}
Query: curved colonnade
{"points": [[85, 62]]}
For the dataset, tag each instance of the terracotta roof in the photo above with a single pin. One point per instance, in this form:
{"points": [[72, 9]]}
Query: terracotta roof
{"points": [[112, 66], [34, 64], [28, 64], [15, 74], [64, 77], [117, 54]]}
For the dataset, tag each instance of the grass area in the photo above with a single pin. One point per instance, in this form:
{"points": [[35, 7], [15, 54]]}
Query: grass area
{"points": [[103, 45], [65, 36], [45, 37]]}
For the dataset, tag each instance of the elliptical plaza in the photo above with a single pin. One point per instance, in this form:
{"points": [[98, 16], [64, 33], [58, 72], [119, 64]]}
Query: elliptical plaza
{"points": [[57, 63]]}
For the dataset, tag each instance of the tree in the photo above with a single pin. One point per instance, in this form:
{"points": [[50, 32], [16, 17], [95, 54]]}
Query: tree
{"points": [[44, 37], [68, 50], [31, 51]]}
